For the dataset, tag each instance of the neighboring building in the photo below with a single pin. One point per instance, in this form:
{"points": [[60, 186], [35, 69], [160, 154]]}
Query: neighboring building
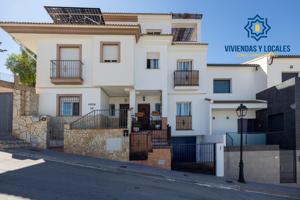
{"points": [[153, 64], [280, 119]]}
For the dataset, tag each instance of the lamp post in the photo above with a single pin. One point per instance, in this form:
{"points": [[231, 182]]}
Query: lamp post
{"points": [[241, 112]]}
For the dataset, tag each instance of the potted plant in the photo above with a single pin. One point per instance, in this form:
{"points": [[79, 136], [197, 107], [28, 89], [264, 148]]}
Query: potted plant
{"points": [[137, 127]]}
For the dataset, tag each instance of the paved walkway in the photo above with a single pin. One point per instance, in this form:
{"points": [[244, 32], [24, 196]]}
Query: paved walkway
{"points": [[280, 191]]}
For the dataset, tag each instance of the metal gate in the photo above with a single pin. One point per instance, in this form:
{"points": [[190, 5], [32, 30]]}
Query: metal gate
{"points": [[6, 108], [198, 158]]}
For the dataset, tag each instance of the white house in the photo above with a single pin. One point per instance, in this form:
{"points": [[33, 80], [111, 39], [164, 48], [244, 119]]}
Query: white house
{"points": [[150, 63]]}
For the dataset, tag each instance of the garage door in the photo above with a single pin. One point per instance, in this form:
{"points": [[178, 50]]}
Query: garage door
{"points": [[6, 106], [183, 149]]}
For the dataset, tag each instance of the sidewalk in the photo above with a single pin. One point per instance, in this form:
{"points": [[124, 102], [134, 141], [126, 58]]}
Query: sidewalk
{"points": [[282, 191]]}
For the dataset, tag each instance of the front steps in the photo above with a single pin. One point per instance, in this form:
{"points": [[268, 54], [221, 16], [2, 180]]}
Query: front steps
{"points": [[9, 142]]}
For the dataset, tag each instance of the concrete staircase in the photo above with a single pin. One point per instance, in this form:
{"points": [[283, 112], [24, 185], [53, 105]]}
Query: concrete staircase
{"points": [[9, 142]]}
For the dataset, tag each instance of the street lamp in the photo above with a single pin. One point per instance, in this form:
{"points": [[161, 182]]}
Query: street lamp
{"points": [[241, 112]]}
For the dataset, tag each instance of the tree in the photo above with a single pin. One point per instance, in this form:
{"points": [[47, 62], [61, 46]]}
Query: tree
{"points": [[2, 50], [24, 66]]}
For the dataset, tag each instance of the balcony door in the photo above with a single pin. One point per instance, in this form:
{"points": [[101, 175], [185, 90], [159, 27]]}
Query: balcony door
{"points": [[69, 60], [184, 65]]}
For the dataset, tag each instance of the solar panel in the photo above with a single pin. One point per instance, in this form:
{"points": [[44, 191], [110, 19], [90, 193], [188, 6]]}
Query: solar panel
{"points": [[75, 15], [182, 34]]}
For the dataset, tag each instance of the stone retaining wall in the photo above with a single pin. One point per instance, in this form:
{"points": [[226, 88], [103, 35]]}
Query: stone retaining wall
{"points": [[102, 143], [160, 158], [31, 130], [26, 123]]}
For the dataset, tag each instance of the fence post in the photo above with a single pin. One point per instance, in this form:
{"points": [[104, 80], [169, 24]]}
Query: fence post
{"points": [[219, 152], [129, 120]]}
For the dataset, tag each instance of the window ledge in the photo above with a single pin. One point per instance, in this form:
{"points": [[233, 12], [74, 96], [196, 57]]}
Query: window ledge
{"points": [[186, 87], [66, 81]]}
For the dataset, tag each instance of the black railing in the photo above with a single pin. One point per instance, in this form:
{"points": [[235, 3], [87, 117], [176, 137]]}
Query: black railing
{"points": [[184, 122], [66, 69], [186, 78], [194, 157], [153, 125], [105, 119]]}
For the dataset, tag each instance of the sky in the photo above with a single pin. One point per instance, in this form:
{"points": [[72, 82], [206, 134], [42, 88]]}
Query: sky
{"points": [[222, 23]]}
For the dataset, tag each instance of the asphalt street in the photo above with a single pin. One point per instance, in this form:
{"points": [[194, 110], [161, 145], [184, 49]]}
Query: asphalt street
{"points": [[25, 178]]}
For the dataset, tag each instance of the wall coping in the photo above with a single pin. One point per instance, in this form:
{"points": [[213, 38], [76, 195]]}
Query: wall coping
{"points": [[67, 126], [253, 148]]}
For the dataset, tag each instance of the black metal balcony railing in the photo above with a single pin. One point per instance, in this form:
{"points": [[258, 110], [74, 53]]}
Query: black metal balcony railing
{"points": [[106, 119], [66, 69], [183, 122], [186, 78]]}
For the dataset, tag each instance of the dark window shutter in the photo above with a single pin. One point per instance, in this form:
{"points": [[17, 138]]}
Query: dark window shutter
{"points": [[75, 109], [148, 63]]}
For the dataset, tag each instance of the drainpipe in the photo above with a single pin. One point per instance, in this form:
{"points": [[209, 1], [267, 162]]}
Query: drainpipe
{"points": [[210, 117]]}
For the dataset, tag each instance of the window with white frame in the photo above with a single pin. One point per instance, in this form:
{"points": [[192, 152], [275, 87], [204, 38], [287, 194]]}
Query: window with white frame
{"points": [[152, 60], [183, 109], [69, 105], [110, 52], [184, 65]]}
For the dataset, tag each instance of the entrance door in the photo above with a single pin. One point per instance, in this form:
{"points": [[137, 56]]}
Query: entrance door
{"points": [[145, 120], [6, 107], [123, 115]]}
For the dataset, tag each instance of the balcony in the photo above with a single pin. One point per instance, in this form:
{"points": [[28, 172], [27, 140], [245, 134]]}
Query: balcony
{"points": [[66, 72], [183, 122], [186, 78]]}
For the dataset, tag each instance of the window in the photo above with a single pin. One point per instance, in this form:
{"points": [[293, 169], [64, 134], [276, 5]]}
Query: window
{"points": [[184, 65], [112, 110], [184, 109], [110, 52], [69, 105], [222, 86], [288, 75], [158, 107], [153, 31], [152, 60]]}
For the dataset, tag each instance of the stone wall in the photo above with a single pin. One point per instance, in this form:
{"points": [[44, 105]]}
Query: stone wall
{"points": [[31, 130], [26, 122], [102, 143], [261, 163], [160, 158]]}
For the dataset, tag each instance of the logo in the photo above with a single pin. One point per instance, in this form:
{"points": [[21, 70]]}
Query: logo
{"points": [[257, 27]]}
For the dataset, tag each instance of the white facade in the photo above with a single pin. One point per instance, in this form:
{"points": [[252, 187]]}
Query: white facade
{"points": [[130, 81]]}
